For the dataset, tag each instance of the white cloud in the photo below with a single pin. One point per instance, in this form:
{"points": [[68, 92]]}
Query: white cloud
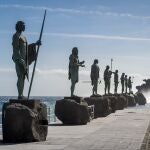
{"points": [[49, 82], [4, 71], [62, 73], [75, 11], [54, 82], [86, 36], [96, 36], [59, 72]]}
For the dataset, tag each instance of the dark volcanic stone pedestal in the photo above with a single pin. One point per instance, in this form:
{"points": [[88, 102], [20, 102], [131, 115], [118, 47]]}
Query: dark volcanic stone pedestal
{"points": [[101, 106], [140, 98], [131, 100], [24, 121], [69, 111], [122, 101]]}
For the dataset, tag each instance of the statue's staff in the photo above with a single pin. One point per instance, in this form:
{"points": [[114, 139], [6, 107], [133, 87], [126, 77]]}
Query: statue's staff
{"points": [[132, 79], [111, 64], [37, 54]]}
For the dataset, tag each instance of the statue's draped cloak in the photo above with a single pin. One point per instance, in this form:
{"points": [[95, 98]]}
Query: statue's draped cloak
{"points": [[129, 83], [126, 82], [122, 79], [94, 73], [73, 68], [106, 75], [116, 78]]}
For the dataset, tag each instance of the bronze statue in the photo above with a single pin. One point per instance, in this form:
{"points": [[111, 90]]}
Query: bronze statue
{"points": [[74, 65], [23, 56], [130, 85], [122, 81], [107, 79], [116, 82], [94, 76], [126, 84]]}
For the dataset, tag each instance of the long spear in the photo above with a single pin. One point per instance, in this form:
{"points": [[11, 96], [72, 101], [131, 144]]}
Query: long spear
{"points": [[111, 63], [40, 37]]}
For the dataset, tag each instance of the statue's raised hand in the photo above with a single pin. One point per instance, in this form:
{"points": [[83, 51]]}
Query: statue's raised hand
{"points": [[82, 62], [38, 43]]}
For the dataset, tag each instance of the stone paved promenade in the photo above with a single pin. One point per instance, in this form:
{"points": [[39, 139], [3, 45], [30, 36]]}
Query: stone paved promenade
{"points": [[123, 130]]}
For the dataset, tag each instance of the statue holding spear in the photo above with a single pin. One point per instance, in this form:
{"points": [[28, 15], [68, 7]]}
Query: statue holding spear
{"points": [[23, 55]]}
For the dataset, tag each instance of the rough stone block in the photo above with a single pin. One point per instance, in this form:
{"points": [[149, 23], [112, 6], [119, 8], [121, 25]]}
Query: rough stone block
{"points": [[71, 112], [140, 99], [24, 121], [131, 100], [121, 102], [101, 106]]}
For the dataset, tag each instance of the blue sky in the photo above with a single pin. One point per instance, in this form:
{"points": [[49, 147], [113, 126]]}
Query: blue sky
{"points": [[101, 29]]}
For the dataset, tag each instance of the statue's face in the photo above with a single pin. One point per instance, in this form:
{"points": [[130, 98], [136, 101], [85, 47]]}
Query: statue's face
{"points": [[22, 27], [75, 52], [107, 67]]}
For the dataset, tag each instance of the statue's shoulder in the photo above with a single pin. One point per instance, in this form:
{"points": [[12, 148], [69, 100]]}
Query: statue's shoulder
{"points": [[94, 66], [20, 37], [71, 57], [16, 36], [23, 38]]}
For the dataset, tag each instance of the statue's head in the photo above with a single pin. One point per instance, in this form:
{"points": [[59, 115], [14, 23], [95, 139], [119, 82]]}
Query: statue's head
{"points": [[107, 67], [116, 71], [95, 61], [123, 74], [20, 26], [75, 51]]}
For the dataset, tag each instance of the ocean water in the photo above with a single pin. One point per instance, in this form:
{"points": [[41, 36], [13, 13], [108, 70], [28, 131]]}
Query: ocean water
{"points": [[48, 100]]}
